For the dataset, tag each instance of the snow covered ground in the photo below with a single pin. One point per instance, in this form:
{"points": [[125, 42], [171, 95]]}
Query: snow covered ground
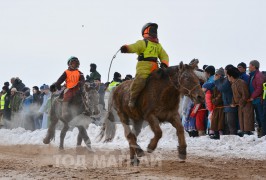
{"points": [[248, 147]]}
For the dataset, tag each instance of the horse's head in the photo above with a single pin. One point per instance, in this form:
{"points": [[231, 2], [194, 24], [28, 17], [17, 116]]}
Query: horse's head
{"points": [[189, 84], [90, 98]]}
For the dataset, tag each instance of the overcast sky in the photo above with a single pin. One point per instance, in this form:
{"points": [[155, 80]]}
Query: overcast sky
{"points": [[38, 36]]}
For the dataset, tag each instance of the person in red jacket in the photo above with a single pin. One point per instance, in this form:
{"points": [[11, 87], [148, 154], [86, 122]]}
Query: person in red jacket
{"points": [[73, 79], [256, 80]]}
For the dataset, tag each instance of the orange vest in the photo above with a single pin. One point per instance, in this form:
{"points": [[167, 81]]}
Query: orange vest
{"points": [[72, 78]]}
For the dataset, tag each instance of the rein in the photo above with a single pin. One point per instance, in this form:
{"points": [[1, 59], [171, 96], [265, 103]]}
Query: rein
{"points": [[176, 87]]}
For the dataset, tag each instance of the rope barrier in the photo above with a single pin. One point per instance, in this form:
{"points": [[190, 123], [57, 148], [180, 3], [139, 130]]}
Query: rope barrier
{"points": [[218, 107]]}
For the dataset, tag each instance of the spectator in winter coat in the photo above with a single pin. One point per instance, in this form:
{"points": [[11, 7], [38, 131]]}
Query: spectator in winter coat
{"points": [[94, 75], [17, 83], [43, 108], [209, 73], [15, 102], [189, 123], [240, 97], [6, 84], [37, 102], [223, 85], [214, 104], [27, 118], [128, 77], [242, 67], [4, 106], [264, 100], [255, 88], [115, 82], [201, 112]]}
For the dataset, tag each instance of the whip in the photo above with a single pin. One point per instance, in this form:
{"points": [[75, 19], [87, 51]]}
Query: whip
{"points": [[111, 64]]}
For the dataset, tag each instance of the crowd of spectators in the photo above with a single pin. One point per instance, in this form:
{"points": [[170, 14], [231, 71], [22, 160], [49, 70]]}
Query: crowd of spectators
{"points": [[234, 102], [29, 108]]}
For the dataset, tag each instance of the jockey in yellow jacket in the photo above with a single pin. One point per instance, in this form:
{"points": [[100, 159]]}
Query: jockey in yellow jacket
{"points": [[149, 50]]}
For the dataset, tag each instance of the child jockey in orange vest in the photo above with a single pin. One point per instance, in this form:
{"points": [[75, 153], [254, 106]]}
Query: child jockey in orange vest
{"points": [[73, 78]]}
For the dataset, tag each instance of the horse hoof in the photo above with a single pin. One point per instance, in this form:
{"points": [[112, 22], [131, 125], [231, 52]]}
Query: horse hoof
{"points": [[61, 148], [182, 156], [182, 153], [134, 162], [149, 150], [90, 149], [140, 152], [46, 141]]}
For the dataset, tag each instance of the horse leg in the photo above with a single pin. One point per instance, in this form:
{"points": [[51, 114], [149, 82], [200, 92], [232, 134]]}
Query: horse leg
{"points": [[63, 134], [84, 135], [137, 127], [131, 138], [182, 148], [136, 130], [79, 139], [51, 130], [155, 127]]}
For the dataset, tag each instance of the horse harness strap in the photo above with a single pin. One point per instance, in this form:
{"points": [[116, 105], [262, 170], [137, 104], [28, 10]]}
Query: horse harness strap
{"points": [[176, 87], [189, 91], [142, 58]]}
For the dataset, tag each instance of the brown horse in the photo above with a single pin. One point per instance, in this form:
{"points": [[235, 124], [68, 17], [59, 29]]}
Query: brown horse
{"points": [[158, 102]]}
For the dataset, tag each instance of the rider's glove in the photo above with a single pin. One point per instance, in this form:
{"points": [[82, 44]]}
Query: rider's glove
{"points": [[123, 49], [163, 66]]}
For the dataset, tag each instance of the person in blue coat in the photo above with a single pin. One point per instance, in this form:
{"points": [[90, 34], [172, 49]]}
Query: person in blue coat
{"points": [[242, 67], [231, 117]]}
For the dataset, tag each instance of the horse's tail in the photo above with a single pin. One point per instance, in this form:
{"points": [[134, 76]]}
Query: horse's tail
{"points": [[108, 129], [53, 120]]}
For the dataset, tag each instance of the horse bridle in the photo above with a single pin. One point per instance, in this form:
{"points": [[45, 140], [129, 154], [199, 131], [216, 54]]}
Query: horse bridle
{"points": [[176, 87]]}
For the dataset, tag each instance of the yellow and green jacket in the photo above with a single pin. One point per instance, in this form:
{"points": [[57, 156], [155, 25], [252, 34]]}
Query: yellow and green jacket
{"points": [[112, 85], [148, 49], [2, 102]]}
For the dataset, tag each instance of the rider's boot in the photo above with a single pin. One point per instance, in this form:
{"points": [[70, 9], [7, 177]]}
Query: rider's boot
{"points": [[135, 89]]}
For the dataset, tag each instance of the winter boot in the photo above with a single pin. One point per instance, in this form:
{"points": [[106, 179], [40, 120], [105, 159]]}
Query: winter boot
{"points": [[248, 133], [240, 133], [201, 133], [259, 132], [216, 135]]}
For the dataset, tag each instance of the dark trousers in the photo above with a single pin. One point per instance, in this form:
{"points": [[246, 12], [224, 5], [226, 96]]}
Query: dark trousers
{"points": [[263, 123], [230, 123], [259, 117]]}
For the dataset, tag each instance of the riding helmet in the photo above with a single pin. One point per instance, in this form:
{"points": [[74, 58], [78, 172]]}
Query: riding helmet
{"points": [[73, 58], [150, 29]]}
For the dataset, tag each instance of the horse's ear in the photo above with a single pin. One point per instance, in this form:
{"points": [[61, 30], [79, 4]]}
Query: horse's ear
{"points": [[181, 66], [194, 63]]}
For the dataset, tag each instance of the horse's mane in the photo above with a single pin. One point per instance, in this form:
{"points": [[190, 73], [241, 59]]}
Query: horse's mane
{"points": [[164, 73]]}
